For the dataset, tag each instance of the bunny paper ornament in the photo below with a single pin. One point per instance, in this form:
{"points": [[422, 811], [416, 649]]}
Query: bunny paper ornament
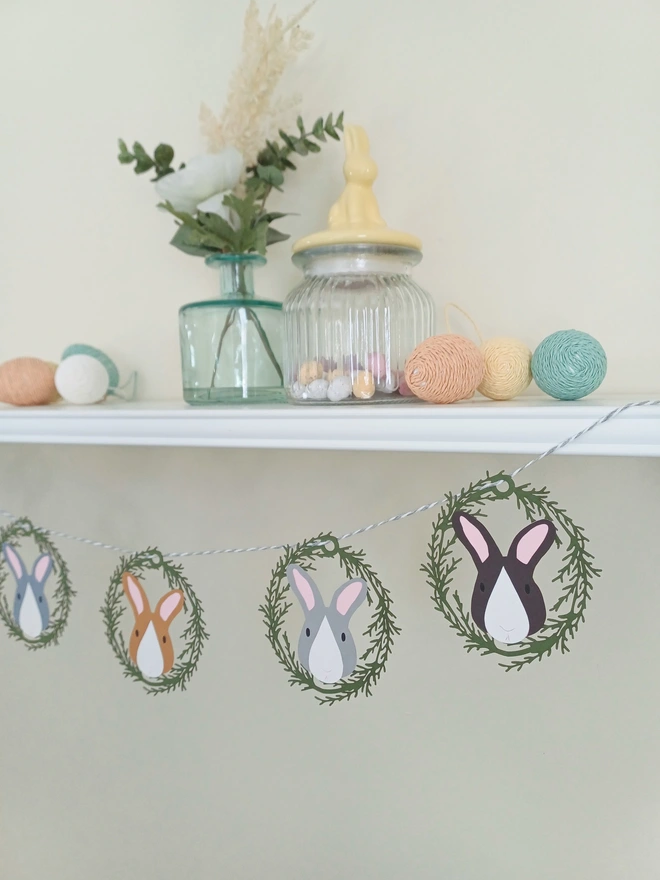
{"points": [[150, 646], [506, 601], [326, 647], [30, 609]]}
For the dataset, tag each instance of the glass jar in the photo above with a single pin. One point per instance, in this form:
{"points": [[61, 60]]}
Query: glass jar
{"points": [[231, 347], [352, 323]]}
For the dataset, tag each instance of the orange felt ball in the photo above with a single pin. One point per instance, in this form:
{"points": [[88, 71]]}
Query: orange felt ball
{"points": [[444, 369], [27, 381]]}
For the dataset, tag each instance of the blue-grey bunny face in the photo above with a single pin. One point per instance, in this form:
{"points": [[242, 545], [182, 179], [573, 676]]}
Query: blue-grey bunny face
{"points": [[326, 647], [30, 603]]}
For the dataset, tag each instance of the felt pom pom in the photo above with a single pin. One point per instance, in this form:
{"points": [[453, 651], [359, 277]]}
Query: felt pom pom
{"points": [[82, 379], [507, 368], [569, 364]]}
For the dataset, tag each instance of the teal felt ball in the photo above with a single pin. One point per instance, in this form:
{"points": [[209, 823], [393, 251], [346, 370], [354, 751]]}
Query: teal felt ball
{"points": [[569, 364]]}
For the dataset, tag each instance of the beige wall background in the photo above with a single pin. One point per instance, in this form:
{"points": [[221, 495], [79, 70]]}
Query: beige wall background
{"points": [[521, 141]]}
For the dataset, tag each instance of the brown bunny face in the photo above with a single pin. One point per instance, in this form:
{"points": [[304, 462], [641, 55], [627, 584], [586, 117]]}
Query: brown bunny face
{"points": [[150, 646]]}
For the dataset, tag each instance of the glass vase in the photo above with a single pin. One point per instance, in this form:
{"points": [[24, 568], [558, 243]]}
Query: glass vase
{"points": [[231, 347]]}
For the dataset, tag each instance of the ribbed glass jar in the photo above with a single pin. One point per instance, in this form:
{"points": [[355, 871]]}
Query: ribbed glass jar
{"points": [[351, 324]]}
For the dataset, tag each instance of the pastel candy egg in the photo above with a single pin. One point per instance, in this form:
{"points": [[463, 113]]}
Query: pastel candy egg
{"points": [[27, 381], [318, 389], [340, 388], [364, 386], [377, 365], [299, 391], [82, 379], [404, 390], [309, 371]]}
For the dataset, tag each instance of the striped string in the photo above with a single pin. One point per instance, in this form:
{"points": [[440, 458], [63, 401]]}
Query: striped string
{"points": [[398, 517]]}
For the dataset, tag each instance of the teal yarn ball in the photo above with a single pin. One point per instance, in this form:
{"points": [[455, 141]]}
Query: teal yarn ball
{"points": [[108, 363], [569, 364]]}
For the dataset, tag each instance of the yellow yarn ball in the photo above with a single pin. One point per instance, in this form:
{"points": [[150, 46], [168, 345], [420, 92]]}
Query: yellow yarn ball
{"points": [[508, 368]]}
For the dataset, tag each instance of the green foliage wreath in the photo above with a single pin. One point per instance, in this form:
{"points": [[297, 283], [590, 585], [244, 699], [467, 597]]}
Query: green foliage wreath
{"points": [[62, 596], [576, 575], [194, 634], [381, 629]]}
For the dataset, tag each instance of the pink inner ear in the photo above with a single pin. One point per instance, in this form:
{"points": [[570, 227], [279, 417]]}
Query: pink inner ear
{"points": [[136, 595], [14, 561], [475, 539], [348, 595], [530, 542], [304, 588], [41, 568], [169, 605]]}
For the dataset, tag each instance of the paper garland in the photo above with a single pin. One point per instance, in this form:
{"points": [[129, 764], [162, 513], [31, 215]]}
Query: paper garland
{"points": [[150, 656], [505, 599], [30, 619], [327, 660]]}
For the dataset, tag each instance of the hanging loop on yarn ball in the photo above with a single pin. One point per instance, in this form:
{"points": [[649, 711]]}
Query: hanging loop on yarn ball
{"points": [[445, 369], [569, 364], [507, 368]]}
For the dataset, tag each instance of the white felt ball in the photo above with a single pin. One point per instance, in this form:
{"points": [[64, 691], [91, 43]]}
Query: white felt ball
{"points": [[82, 379], [340, 388]]}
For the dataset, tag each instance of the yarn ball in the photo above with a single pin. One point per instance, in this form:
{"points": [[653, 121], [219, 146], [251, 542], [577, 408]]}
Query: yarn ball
{"points": [[569, 364], [507, 368], [445, 369], [108, 363], [82, 379], [27, 381]]}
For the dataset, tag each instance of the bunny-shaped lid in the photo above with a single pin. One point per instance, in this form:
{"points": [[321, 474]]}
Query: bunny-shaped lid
{"points": [[355, 218]]}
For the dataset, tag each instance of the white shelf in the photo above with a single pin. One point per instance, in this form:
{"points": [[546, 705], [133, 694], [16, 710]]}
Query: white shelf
{"points": [[526, 426]]}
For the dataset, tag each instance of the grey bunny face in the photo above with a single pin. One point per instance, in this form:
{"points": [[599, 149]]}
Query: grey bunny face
{"points": [[326, 647], [30, 603]]}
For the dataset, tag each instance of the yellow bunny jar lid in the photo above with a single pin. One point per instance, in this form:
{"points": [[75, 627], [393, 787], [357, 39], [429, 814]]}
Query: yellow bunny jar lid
{"points": [[355, 218]]}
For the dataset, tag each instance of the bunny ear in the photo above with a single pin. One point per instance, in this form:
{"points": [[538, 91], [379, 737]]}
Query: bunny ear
{"points": [[475, 536], [14, 560], [42, 568], [135, 593], [169, 605], [533, 542], [304, 588], [349, 596]]}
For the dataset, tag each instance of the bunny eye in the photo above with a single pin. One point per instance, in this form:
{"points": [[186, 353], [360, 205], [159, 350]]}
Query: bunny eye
{"points": [[528, 589], [164, 639], [482, 587], [307, 632], [18, 595], [343, 637], [41, 598], [137, 632]]}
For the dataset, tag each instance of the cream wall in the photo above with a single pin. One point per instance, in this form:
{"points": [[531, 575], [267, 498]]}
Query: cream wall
{"points": [[521, 141]]}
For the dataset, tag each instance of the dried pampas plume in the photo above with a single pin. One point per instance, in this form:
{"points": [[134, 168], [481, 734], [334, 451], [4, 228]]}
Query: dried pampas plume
{"points": [[252, 113]]}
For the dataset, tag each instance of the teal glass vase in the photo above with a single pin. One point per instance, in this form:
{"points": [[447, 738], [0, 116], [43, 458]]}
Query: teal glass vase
{"points": [[231, 347]]}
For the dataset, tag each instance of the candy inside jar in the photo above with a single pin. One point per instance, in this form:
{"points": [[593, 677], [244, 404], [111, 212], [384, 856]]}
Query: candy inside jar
{"points": [[358, 314]]}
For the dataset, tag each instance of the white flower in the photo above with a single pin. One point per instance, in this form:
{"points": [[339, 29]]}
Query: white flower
{"points": [[203, 177]]}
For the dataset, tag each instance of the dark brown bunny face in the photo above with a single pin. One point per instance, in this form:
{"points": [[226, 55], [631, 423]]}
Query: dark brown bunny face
{"points": [[506, 601]]}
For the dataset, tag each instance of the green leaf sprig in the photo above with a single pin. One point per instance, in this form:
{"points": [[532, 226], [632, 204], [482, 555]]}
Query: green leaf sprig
{"points": [[203, 234]]}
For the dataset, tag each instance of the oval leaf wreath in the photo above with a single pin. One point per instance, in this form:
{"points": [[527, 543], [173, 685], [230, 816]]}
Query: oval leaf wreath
{"points": [[30, 619], [149, 657], [327, 660], [505, 592]]}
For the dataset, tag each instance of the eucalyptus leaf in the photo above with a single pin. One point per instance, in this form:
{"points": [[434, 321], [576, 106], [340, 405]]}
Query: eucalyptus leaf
{"points": [[301, 126], [218, 226], [270, 174], [300, 148], [340, 121], [261, 238], [317, 131], [163, 155], [311, 146]]}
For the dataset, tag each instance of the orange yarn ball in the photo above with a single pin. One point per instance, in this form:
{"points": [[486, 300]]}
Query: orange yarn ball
{"points": [[444, 369], [27, 381]]}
